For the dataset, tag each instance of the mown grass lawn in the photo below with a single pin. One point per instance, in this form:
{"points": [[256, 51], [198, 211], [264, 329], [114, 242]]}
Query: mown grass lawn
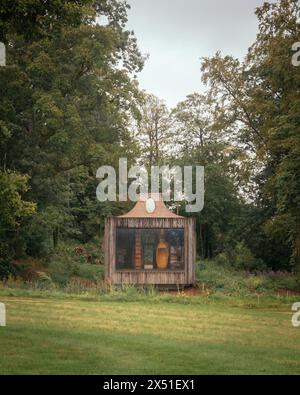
{"points": [[48, 336]]}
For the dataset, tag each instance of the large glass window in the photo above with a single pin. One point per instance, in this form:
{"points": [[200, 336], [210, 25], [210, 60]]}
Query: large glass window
{"points": [[150, 249]]}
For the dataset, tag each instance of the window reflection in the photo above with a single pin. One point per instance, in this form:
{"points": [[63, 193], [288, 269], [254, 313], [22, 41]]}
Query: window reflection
{"points": [[150, 249]]}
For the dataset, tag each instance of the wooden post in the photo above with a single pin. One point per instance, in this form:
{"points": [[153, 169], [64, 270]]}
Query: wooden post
{"points": [[138, 250]]}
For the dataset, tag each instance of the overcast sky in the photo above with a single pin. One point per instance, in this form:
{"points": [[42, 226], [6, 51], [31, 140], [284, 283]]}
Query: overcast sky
{"points": [[177, 33]]}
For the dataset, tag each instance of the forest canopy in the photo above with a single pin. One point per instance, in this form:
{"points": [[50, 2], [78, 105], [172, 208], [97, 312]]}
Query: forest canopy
{"points": [[70, 103]]}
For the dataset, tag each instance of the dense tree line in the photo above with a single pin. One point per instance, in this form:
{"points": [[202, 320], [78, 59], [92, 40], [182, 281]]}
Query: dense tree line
{"points": [[67, 97], [70, 103], [245, 131]]}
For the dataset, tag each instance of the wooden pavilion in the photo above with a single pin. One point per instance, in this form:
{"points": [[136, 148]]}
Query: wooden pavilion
{"points": [[150, 245]]}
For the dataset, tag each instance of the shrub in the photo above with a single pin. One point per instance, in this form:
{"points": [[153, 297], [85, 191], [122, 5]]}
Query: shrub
{"points": [[75, 261], [223, 259], [221, 278], [256, 283], [226, 279], [44, 281], [244, 259], [7, 268]]}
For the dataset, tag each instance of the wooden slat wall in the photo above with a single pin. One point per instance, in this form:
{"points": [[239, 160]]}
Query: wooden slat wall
{"points": [[158, 223], [186, 277], [144, 277], [191, 250], [109, 245]]}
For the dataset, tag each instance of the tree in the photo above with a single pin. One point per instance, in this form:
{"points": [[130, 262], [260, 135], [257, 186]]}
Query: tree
{"points": [[154, 130], [194, 122], [13, 210], [259, 100], [200, 142], [69, 96], [12, 207]]}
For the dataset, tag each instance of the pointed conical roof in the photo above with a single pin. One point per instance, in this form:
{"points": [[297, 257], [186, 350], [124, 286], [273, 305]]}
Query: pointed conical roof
{"points": [[160, 209]]}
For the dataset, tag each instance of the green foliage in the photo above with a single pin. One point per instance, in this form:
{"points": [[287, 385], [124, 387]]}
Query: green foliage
{"points": [[68, 264], [220, 276], [12, 207], [69, 99], [13, 210], [201, 143], [240, 258], [6, 267], [155, 133], [44, 281], [69, 105], [257, 104], [244, 260]]}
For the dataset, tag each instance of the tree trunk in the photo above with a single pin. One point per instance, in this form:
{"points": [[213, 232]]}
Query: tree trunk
{"points": [[297, 254], [201, 242], [55, 237]]}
